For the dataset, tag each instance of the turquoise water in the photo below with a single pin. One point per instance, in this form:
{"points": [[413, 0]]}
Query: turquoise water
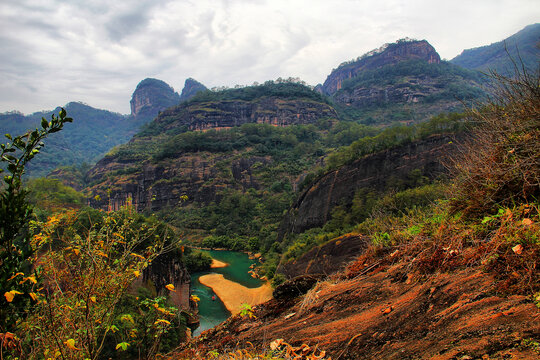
{"points": [[213, 312]]}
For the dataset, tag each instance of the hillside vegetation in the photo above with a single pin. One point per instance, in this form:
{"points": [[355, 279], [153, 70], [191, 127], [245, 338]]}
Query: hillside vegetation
{"points": [[521, 48], [87, 140], [455, 278], [239, 181]]}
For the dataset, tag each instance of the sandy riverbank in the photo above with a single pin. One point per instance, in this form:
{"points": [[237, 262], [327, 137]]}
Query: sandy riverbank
{"points": [[233, 294], [218, 264]]}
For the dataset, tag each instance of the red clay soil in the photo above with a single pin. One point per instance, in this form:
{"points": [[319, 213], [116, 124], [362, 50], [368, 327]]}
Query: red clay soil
{"points": [[388, 314]]}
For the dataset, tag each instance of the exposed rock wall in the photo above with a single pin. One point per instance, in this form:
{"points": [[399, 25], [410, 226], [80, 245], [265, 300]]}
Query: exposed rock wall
{"points": [[169, 269], [227, 114], [411, 92], [313, 207], [152, 96], [393, 54], [326, 259], [197, 177]]}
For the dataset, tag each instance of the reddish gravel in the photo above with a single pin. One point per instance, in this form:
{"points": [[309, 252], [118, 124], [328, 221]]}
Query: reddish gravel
{"points": [[391, 314]]}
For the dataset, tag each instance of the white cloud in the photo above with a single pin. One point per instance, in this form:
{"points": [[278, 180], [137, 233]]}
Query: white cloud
{"points": [[97, 51]]}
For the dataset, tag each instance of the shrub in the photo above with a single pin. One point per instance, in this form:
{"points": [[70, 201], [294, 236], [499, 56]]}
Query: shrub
{"points": [[499, 166]]}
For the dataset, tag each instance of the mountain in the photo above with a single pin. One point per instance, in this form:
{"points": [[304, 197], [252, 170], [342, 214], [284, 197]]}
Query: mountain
{"points": [[224, 162], [150, 97], [405, 81], [388, 54], [376, 173], [93, 131], [523, 46], [191, 88]]}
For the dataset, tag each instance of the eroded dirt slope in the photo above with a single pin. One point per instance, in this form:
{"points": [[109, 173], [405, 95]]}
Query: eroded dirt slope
{"points": [[389, 313]]}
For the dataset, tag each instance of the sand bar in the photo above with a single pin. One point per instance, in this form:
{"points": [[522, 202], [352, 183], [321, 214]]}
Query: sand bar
{"points": [[233, 294], [218, 264]]}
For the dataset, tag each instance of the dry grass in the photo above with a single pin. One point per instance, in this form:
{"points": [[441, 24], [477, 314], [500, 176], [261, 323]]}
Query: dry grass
{"points": [[500, 165], [279, 350]]}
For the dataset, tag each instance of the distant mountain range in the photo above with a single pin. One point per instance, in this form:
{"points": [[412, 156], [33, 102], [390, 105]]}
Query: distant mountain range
{"points": [[401, 82], [520, 48], [94, 131]]}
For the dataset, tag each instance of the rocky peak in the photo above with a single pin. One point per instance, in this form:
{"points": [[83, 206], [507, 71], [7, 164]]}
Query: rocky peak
{"points": [[401, 50], [191, 87], [151, 96]]}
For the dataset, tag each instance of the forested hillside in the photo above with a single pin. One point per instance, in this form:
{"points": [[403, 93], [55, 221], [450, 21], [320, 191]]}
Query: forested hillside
{"points": [[402, 82], [520, 49]]}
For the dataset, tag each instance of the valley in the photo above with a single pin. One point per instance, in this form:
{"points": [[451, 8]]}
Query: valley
{"points": [[393, 210]]}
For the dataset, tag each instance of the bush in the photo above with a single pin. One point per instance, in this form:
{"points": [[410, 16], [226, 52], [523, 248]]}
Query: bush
{"points": [[196, 261], [499, 166]]}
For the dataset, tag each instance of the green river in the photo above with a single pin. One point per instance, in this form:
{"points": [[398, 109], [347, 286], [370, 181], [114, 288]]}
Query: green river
{"points": [[213, 312]]}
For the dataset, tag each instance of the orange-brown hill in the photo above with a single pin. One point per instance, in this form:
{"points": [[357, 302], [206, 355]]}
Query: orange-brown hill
{"points": [[387, 313]]}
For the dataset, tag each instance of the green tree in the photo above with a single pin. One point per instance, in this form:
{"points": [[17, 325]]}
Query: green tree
{"points": [[16, 280]]}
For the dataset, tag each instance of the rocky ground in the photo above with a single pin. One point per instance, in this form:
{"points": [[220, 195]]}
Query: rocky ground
{"points": [[386, 312]]}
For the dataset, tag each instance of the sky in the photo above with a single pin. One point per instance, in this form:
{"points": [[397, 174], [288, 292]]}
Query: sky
{"points": [[97, 51]]}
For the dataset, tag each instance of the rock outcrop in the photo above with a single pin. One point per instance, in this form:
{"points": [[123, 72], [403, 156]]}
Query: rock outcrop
{"points": [[405, 81], [230, 113], [191, 88], [325, 259], [169, 269], [152, 96], [387, 55], [157, 186], [314, 206]]}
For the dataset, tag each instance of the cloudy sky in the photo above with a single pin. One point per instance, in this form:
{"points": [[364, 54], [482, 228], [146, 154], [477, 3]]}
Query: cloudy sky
{"points": [[96, 51]]}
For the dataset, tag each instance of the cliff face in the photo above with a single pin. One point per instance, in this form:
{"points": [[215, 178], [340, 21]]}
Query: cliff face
{"points": [[230, 113], [325, 259], [191, 88], [401, 82], [390, 54], [169, 269], [199, 177], [413, 91], [151, 172], [152, 96], [314, 206]]}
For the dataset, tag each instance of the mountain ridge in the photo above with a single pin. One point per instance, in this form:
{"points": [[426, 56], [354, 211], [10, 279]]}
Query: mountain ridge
{"points": [[521, 47]]}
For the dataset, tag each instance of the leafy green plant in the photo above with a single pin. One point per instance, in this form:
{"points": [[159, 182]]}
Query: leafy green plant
{"points": [[247, 311], [15, 213], [87, 271]]}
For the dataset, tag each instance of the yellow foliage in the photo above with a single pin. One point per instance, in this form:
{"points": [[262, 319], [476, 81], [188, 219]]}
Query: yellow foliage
{"points": [[11, 294], [14, 276], [162, 321], [70, 343]]}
